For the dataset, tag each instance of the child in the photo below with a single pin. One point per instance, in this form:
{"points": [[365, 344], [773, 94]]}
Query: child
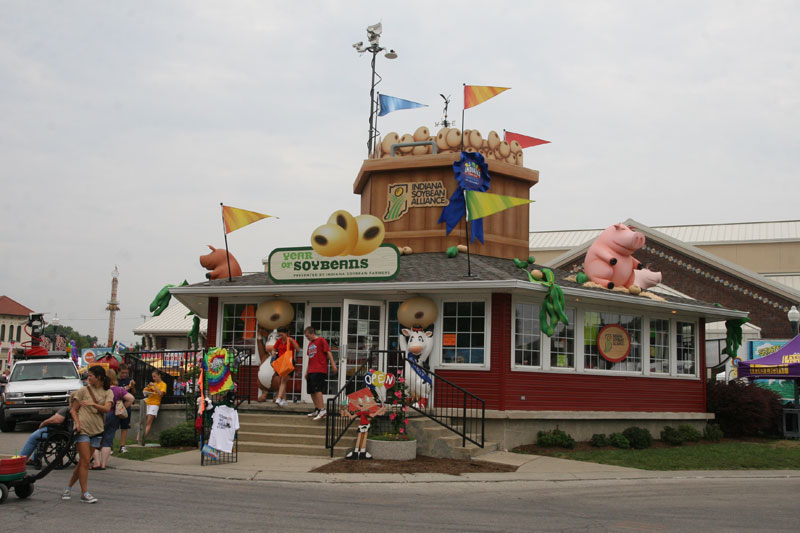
{"points": [[364, 404], [153, 392]]}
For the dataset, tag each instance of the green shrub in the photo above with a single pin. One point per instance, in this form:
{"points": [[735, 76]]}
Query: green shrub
{"points": [[555, 439], [618, 440], [712, 432], [689, 433], [745, 409], [599, 440], [670, 435], [639, 438], [180, 435]]}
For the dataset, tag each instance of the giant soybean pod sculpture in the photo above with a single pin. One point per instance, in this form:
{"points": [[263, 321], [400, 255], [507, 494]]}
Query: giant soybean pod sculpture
{"points": [[552, 311]]}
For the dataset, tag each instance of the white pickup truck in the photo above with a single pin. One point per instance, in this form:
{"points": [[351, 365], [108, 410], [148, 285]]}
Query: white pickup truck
{"points": [[37, 388]]}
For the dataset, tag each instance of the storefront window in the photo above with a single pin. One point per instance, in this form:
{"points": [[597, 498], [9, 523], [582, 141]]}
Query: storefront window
{"points": [[562, 343], [463, 332], [393, 342], [239, 326], [527, 335], [685, 343], [659, 346], [593, 322]]}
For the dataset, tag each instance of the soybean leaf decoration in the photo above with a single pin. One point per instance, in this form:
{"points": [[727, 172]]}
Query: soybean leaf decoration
{"points": [[733, 339], [552, 309]]}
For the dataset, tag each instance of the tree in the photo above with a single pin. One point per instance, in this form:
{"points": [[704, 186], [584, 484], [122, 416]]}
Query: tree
{"points": [[82, 341]]}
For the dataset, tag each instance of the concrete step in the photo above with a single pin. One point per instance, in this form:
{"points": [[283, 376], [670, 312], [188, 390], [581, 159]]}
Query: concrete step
{"points": [[278, 418], [298, 429], [295, 449], [450, 447], [282, 438]]}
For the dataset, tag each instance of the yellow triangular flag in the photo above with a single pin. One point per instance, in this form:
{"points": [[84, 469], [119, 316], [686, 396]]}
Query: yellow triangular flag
{"points": [[236, 218], [483, 204]]}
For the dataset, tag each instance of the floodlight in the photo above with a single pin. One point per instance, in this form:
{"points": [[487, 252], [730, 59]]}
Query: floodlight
{"points": [[391, 54]]}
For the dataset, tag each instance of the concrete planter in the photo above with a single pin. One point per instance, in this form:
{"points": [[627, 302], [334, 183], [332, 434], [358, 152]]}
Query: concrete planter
{"points": [[392, 450]]}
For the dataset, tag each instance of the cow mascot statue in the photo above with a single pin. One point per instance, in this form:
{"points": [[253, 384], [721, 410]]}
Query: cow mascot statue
{"points": [[270, 315], [417, 344]]}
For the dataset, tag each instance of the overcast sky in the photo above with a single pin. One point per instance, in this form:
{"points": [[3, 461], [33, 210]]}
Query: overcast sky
{"points": [[124, 124]]}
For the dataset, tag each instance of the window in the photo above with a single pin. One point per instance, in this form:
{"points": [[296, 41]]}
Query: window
{"points": [[562, 343], [393, 340], [19, 333], [463, 332], [2, 332], [659, 346], [527, 335], [685, 343], [593, 322], [239, 326]]}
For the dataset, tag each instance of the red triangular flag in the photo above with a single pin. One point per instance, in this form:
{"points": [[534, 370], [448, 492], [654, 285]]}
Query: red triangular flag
{"points": [[524, 140]]}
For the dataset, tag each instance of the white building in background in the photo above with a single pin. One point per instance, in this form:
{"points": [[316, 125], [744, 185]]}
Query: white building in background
{"points": [[13, 317], [169, 330]]}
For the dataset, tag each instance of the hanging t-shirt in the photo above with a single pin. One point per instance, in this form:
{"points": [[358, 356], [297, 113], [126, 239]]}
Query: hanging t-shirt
{"points": [[225, 422], [317, 360]]}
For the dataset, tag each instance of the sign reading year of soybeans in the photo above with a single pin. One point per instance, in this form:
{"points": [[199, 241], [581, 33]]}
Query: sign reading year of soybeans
{"points": [[403, 196]]}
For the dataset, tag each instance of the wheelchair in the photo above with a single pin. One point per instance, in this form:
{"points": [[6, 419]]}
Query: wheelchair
{"points": [[60, 437]]}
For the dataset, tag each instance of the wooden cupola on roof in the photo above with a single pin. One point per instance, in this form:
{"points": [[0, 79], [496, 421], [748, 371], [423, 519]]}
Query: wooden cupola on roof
{"points": [[418, 185]]}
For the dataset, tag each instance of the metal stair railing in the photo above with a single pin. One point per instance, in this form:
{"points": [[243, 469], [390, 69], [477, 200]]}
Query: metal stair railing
{"points": [[446, 403], [337, 425], [449, 405]]}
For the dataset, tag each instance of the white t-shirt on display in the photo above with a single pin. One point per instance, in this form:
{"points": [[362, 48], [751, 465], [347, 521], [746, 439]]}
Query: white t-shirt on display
{"points": [[225, 422]]}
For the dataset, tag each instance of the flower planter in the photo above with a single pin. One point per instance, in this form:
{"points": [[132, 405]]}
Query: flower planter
{"points": [[392, 450]]}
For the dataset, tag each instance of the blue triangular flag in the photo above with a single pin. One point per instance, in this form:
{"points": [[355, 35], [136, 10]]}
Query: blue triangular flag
{"points": [[392, 103]]}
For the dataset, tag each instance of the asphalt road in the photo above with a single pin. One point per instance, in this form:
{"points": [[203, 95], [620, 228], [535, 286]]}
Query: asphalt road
{"points": [[136, 501]]}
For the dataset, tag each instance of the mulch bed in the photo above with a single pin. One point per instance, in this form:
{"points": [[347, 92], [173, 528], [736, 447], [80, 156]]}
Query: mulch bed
{"points": [[422, 464]]}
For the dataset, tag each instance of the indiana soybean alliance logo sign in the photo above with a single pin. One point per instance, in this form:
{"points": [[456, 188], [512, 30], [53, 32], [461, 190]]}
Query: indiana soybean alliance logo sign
{"points": [[304, 265], [403, 196]]}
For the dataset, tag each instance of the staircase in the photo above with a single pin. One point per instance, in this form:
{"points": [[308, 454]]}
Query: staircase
{"points": [[435, 440], [286, 431]]}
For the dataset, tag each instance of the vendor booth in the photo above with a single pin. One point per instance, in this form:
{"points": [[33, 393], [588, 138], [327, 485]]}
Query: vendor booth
{"points": [[782, 364], [542, 348]]}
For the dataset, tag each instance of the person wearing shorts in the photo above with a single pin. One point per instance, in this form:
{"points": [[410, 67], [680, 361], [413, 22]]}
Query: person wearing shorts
{"points": [[154, 391], [88, 407], [129, 384], [319, 355]]}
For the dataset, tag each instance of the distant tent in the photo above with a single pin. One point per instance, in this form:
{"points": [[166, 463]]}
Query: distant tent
{"points": [[782, 364]]}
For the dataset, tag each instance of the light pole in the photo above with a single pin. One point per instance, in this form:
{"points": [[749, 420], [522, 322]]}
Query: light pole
{"points": [[794, 319], [374, 37]]}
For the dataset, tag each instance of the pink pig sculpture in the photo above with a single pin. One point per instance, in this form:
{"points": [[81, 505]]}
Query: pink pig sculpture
{"points": [[217, 263], [609, 261]]}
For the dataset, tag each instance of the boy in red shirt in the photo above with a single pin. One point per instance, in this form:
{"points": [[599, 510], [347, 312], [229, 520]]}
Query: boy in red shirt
{"points": [[319, 355]]}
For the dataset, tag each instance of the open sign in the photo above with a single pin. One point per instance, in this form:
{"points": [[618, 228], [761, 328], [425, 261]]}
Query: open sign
{"points": [[379, 379]]}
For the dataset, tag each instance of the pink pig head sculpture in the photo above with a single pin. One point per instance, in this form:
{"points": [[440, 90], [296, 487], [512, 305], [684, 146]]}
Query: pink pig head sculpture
{"points": [[609, 261], [217, 263]]}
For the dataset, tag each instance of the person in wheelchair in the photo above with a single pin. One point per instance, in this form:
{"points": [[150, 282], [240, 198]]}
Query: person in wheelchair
{"points": [[40, 435]]}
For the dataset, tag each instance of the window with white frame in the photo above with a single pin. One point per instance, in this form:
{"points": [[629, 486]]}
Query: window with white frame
{"points": [[464, 332], [685, 342], [562, 343], [527, 335], [239, 326], [659, 346], [593, 322]]}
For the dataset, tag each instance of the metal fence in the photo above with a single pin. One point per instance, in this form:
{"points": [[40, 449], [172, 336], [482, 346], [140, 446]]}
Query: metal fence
{"points": [[177, 367]]}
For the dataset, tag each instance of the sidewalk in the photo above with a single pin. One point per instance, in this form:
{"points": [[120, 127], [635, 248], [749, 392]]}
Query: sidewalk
{"points": [[296, 469]]}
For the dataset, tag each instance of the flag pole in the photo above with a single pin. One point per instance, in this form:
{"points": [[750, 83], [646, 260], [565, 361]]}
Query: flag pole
{"points": [[469, 230], [224, 231], [463, 108]]}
